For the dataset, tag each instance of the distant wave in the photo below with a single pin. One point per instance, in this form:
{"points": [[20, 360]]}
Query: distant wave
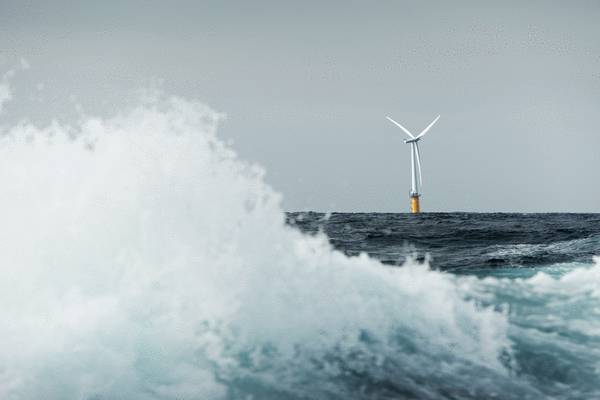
{"points": [[540, 253]]}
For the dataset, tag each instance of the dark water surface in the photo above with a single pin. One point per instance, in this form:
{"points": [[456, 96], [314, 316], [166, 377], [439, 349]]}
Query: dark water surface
{"points": [[461, 242]]}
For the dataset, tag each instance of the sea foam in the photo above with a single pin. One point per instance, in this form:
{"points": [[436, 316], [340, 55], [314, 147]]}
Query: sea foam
{"points": [[142, 259]]}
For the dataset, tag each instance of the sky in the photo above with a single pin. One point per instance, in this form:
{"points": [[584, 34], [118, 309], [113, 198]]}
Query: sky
{"points": [[306, 87]]}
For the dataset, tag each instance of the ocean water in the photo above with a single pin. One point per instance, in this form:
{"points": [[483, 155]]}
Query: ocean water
{"points": [[143, 259], [486, 244]]}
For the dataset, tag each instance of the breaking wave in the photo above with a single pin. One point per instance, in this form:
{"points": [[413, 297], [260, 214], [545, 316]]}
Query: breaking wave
{"points": [[142, 259]]}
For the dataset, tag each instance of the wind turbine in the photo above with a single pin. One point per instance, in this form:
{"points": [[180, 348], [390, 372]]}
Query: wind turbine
{"points": [[415, 163]]}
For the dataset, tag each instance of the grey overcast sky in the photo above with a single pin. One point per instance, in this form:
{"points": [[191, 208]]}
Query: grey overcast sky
{"points": [[306, 86]]}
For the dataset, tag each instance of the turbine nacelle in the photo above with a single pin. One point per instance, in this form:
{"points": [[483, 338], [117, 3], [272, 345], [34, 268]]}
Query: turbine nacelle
{"points": [[412, 140]]}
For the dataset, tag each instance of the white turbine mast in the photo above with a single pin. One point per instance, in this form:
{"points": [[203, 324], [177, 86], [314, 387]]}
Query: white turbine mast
{"points": [[415, 162]]}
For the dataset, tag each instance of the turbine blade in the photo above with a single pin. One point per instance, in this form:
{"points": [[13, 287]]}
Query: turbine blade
{"points": [[428, 127], [419, 162], [401, 127]]}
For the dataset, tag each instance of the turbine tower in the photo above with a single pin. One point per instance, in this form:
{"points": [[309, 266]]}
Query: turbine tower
{"points": [[415, 163]]}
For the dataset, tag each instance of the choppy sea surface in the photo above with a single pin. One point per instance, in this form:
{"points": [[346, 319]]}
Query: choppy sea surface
{"points": [[486, 244], [539, 269], [143, 259]]}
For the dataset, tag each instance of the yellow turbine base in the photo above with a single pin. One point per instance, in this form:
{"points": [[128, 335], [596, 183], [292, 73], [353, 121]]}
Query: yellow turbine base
{"points": [[415, 207]]}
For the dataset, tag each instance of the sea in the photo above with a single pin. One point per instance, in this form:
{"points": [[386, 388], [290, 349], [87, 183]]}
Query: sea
{"points": [[143, 258], [508, 245], [538, 270]]}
